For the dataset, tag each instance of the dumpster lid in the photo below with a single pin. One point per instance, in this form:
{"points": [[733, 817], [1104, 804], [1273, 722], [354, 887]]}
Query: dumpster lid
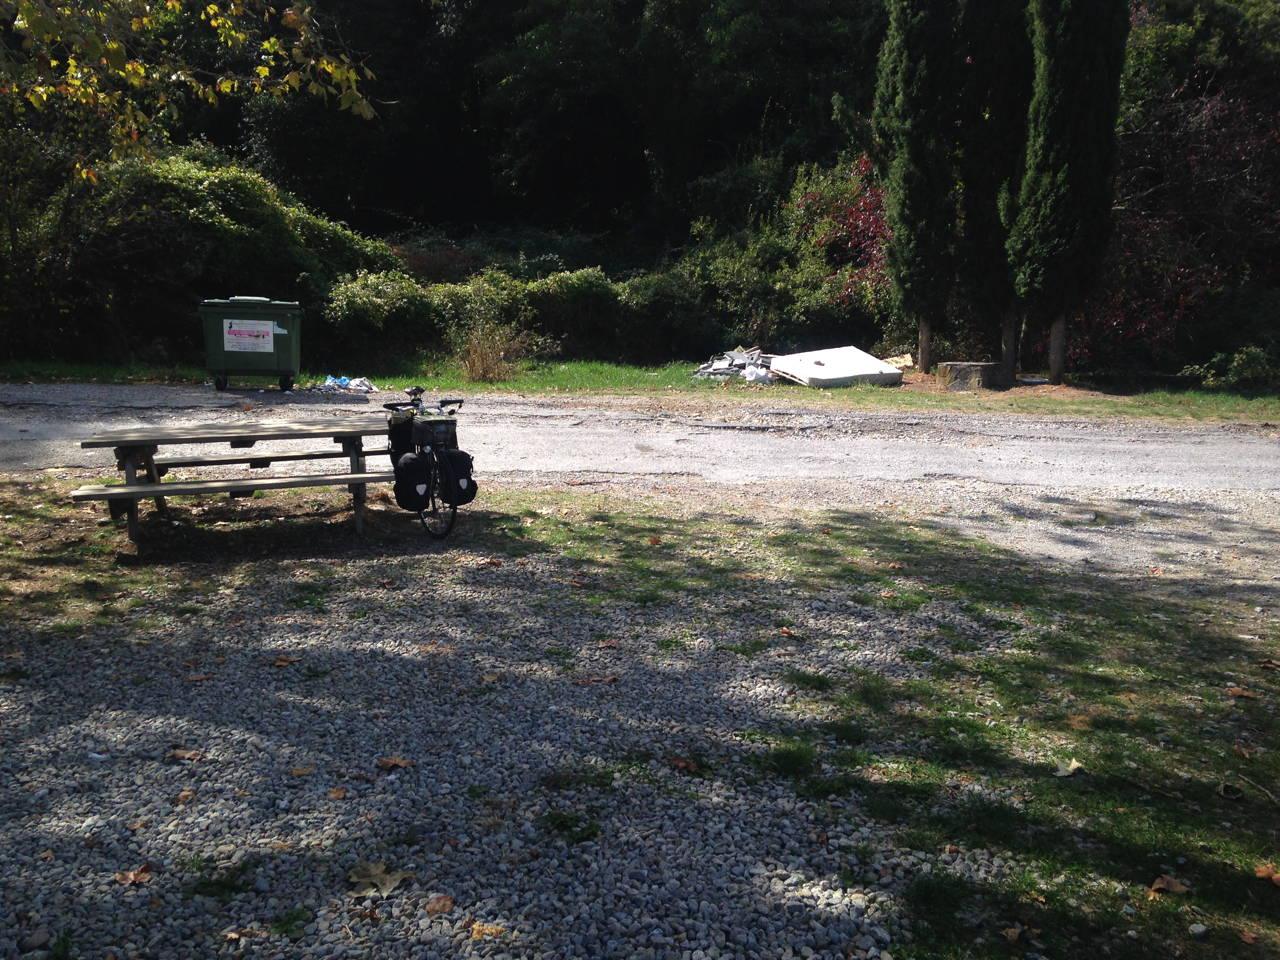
{"points": [[217, 301]]}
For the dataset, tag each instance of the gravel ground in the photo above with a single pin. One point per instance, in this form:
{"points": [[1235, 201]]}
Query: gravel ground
{"points": [[579, 782], [557, 779]]}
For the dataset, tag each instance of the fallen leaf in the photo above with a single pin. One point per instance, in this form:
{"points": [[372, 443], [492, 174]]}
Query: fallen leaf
{"points": [[130, 878], [46, 855], [490, 562], [683, 764], [1068, 768], [185, 796], [1244, 750], [199, 677], [302, 771], [1012, 933], [1241, 693], [1268, 872], [577, 582], [369, 913], [608, 644], [1166, 884], [440, 903], [285, 661], [1248, 936], [134, 826], [248, 933], [394, 763], [367, 878], [481, 931], [338, 793], [895, 565], [786, 631], [654, 541], [189, 755], [593, 681]]}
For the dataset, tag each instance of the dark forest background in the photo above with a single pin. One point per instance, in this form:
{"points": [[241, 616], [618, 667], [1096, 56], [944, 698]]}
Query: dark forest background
{"points": [[626, 179]]}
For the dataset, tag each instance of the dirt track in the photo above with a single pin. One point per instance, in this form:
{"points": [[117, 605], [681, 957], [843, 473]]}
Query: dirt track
{"points": [[1122, 492]]}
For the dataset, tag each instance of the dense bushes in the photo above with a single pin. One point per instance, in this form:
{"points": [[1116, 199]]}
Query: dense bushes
{"points": [[130, 257]]}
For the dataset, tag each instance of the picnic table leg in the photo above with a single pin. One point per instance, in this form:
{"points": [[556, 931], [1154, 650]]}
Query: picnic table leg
{"points": [[130, 465], [355, 448], [153, 476]]}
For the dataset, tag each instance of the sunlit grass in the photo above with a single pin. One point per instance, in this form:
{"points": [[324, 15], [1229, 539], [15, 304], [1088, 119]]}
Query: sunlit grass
{"points": [[589, 377]]}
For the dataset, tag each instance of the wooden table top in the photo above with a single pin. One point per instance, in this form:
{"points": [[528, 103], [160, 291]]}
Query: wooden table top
{"points": [[338, 429]]}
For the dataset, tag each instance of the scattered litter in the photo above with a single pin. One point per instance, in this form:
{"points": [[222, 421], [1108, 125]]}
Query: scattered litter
{"points": [[736, 363], [902, 361], [334, 384], [839, 367]]}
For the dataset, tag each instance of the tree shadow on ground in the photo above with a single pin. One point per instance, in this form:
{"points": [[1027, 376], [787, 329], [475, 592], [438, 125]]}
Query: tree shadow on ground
{"points": [[572, 681]]}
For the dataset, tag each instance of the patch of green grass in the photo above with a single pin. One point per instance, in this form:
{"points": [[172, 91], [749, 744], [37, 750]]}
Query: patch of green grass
{"points": [[747, 648], [62, 946], [573, 827], [310, 595], [292, 923], [592, 377], [805, 680], [849, 732], [794, 760], [873, 690]]}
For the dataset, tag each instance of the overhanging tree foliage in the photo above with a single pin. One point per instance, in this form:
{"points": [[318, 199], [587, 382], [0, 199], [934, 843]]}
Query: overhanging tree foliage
{"points": [[132, 66], [1058, 241], [913, 132]]}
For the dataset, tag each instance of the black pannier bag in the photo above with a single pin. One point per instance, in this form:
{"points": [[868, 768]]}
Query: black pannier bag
{"points": [[413, 481], [400, 435], [457, 486]]}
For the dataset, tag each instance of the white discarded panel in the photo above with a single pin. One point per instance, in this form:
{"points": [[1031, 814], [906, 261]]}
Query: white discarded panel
{"points": [[839, 367]]}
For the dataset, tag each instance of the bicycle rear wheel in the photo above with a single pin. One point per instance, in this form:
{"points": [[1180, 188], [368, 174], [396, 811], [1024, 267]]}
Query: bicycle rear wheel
{"points": [[438, 517]]}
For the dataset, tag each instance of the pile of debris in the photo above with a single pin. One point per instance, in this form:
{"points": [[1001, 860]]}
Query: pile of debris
{"points": [[750, 364], [837, 367]]}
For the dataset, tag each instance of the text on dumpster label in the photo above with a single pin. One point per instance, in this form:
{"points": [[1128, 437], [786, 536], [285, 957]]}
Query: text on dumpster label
{"points": [[248, 336]]}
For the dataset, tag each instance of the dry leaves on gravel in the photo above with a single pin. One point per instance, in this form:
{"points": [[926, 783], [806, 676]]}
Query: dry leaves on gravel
{"points": [[188, 755], [130, 878], [394, 763], [285, 661], [594, 681], [302, 771], [185, 796], [338, 793], [440, 903], [484, 931], [1166, 884], [368, 878]]}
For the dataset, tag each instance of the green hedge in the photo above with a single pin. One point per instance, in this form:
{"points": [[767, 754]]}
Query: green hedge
{"points": [[120, 266]]}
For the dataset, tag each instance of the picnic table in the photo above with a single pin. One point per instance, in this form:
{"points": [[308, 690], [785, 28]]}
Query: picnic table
{"points": [[136, 448]]}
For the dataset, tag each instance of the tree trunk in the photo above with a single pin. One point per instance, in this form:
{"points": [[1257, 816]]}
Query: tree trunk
{"points": [[1058, 348], [925, 358], [1010, 334]]}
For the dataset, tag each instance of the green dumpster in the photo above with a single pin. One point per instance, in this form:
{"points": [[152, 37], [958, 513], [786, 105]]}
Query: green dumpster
{"points": [[252, 335]]}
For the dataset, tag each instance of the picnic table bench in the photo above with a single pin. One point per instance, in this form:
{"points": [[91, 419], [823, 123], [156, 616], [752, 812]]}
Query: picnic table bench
{"points": [[136, 447]]}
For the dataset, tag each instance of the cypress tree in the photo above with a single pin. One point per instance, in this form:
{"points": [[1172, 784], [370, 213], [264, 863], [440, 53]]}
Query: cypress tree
{"points": [[913, 132], [1063, 220], [995, 94]]}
